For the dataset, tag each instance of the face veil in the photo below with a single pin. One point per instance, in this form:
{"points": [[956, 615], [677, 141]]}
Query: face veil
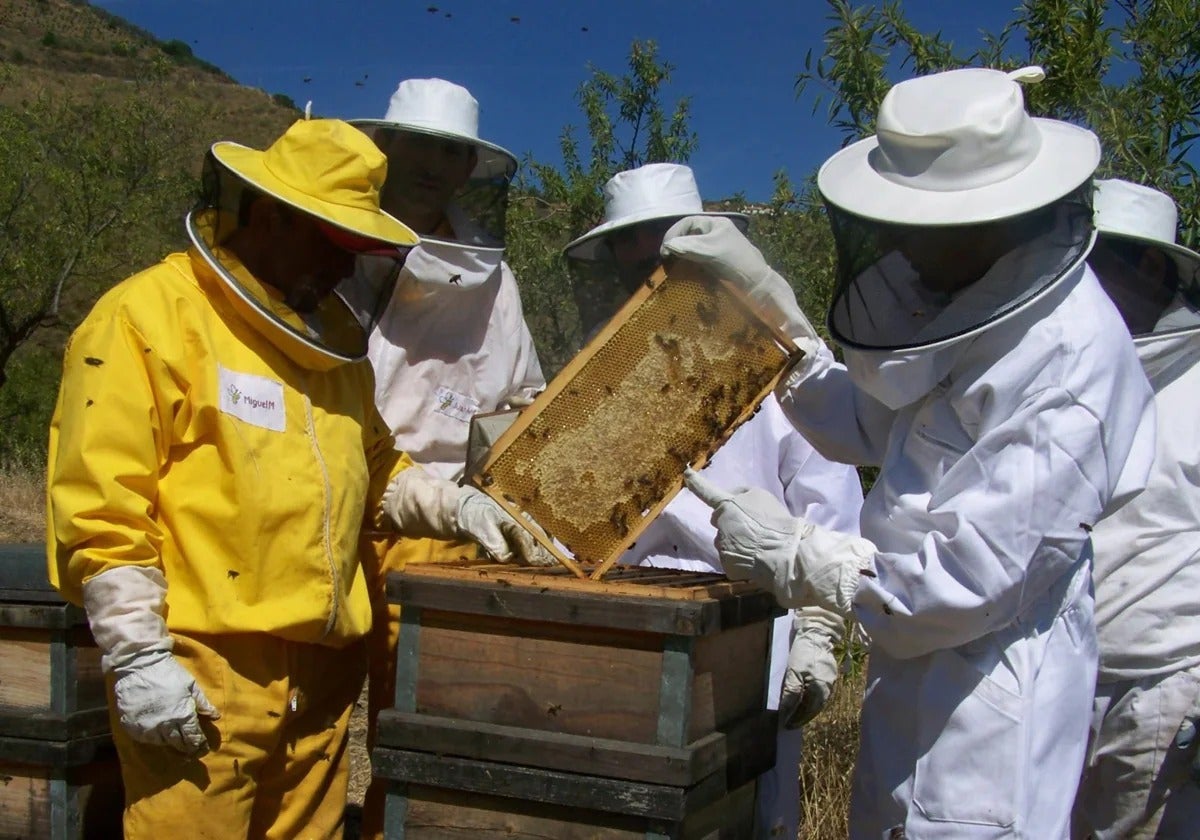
{"points": [[325, 326], [902, 287]]}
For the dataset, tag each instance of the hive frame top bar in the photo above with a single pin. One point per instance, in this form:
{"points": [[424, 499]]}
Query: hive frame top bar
{"points": [[598, 455]]}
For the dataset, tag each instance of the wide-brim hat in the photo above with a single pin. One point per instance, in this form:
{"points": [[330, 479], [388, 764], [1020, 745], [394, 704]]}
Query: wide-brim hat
{"points": [[325, 168], [959, 148], [1124, 210], [649, 193], [442, 109]]}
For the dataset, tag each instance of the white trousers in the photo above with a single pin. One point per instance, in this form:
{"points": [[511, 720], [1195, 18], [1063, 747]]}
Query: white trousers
{"points": [[1136, 782]]}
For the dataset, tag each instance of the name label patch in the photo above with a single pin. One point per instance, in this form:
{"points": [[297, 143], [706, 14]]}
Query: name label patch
{"points": [[254, 399], [456, 405]]}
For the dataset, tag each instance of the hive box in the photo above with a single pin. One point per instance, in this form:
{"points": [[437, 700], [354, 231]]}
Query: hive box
{"points": [[531, 703], [59, 776]]}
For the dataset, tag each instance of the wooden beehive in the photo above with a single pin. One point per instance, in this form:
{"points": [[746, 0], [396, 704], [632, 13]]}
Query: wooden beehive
{"points": [[60, 772], [602, 450], [533, 703]]}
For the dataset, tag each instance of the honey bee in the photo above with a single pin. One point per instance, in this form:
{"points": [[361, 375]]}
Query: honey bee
{"points": [[708, 312]]}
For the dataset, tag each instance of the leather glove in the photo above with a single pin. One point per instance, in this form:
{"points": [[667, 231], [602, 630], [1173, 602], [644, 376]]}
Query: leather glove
{"points": [[716, 244], [1188, 738], [158, 701], [812, 668], [420, 505], [802, 564]]}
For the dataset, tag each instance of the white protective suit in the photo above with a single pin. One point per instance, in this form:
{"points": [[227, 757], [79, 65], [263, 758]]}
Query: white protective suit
{"points": [[1148, 619], [765, 452], [451, 342], [1000, 451]]}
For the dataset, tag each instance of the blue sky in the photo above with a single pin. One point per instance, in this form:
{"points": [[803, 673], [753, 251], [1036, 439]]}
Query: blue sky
{"points": [[737, 61]]}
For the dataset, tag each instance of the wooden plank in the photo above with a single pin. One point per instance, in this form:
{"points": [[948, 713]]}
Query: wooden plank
{"points": [[748, 747], [53, 726], [535, 748], [24, 802], [58, 755], [595, 605], [536, 675], [434, 814], [728, 818], [25, 672], [408, 649], [729, 682], [532, 784], [83, 801], [623, 580], [41, 615], [675, 691], [49, 671]]}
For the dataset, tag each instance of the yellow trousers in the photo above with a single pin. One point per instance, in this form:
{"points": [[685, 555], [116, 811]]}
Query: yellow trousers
{"points": [[277, 766], [381, 646]]}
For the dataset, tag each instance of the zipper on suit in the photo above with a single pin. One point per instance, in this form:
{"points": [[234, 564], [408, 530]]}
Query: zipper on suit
{"points": [[326, 514]]}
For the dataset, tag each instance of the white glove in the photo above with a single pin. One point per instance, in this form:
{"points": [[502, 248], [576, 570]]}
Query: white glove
{"points": [[812, 668], [420, 505], [157, 700], [522, 398], [716, 244], [802, 564]]}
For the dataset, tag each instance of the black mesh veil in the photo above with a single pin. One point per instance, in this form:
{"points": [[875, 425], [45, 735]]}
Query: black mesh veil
{"points": [[902, 287], [478, 210], [306, 313], [1156, 289]]}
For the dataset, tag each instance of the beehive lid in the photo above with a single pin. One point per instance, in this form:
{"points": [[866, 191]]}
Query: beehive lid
{"points": [[602, 450]]}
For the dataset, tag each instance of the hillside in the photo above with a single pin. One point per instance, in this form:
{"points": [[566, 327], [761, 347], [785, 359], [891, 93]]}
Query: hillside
{"points": [[76, 49], [63, 64]]}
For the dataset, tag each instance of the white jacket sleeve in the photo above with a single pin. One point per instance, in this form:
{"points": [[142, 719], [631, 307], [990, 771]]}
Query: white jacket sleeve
{"points": [[819, 490], [1008, 519], [839, 420]]}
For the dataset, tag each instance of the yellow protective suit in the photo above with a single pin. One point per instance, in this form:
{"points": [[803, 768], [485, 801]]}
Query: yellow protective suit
{"points": [[392, 554], [192, 436]]}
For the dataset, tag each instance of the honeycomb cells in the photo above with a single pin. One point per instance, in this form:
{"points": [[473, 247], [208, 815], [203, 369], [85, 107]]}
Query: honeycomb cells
{"points": [[607, 450]]}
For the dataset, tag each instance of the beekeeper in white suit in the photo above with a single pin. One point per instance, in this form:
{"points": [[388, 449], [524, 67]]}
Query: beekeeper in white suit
{"points": [[449, 337], [608, 263], [1139, 780], [994, 384]]}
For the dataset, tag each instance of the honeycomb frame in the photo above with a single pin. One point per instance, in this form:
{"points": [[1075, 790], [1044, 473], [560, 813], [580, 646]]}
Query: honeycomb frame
{"points": [[591, 459]]}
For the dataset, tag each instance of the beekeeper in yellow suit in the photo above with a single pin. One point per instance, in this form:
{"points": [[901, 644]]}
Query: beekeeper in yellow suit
{"points": [[213, 455]]}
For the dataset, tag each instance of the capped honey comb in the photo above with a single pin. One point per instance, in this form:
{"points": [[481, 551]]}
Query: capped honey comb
{"points": [[602, 450]]}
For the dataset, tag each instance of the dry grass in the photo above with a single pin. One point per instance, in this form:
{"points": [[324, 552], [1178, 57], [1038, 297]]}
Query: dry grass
{"points": [[830, 749], [22, 503]]}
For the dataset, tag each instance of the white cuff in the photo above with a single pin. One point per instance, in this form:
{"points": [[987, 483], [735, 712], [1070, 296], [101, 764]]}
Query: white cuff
{"points": [[126, 606]]}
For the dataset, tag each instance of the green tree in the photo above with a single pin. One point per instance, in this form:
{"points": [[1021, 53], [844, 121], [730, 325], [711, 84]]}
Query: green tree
{"points": [[88, 187], [1125, 69], [628, 124]]}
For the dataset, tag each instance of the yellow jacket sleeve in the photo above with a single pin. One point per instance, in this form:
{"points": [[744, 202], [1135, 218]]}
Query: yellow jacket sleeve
{"points": [[107, 445]]}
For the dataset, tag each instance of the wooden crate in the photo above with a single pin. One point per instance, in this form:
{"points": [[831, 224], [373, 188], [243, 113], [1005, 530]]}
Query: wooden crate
{"points": [[534, 703], [51, 686], [62, 790], [59, 775]]}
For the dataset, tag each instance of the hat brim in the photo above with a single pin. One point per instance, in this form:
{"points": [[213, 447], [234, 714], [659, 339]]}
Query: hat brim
{"points": [[492, 160], [1068, 156], [586, 247], [1187, 260], [247, 164]]}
